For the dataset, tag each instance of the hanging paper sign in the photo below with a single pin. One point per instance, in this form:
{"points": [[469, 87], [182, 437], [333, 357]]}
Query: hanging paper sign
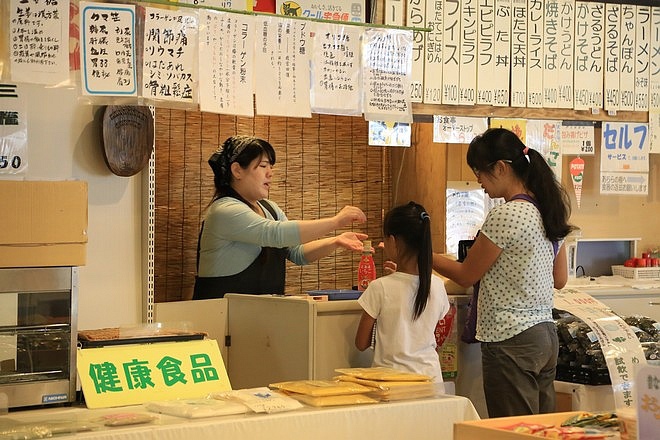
{"points": [[13, 131], [387, 67], [457, 129], [577, 138], [577, 175], [108, 49], [624, 147], [545, 136], [389, 134], [518, 126]]}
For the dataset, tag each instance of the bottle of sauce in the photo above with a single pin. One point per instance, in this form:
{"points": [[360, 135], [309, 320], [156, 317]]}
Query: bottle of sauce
{"points": [[367, 267]]}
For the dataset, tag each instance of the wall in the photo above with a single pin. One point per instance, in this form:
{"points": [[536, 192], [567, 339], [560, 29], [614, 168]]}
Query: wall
{"points": [[64, 141]]}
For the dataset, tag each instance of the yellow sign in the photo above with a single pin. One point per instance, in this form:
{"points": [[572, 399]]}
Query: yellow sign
{"points": [[518, 126], [132, 374]]}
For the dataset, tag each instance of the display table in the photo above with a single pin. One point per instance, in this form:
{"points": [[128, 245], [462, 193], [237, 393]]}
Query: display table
{"points": [[412, 419], [592, 398]]}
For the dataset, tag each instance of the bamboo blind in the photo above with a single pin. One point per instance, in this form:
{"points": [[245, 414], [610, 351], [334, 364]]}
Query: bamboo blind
{"points": [[323, 163]]}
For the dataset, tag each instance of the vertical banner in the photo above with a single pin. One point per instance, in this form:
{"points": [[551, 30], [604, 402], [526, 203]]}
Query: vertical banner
{"points": [[226, 63], [39, 35], [502, 54], [545, 137], [282, 60], [519, 60], [433, 48], [108, 49], [627, 61], [654, 82], [623, 352], [485, 51], [624, 158], [535, 45], [169, 60], [551, 54], [612, 57], [565, 63], [467, 83], [386, 63], [416, 18], [336, 69], [577, 176], [589, 37], [13, 131], [451, 53], [642, 57]]}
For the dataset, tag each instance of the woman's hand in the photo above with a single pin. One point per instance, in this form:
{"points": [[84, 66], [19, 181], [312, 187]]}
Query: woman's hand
{"points": [[351, 241], [349, 215]]}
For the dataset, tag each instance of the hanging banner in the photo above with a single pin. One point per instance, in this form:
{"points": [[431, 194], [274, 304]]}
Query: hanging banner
{"points": [[13, 131], [623, 352], [39, 34], [545, 137], [282, 60], [169, 66], [336, 69], [577, 175], [226, 65], [108, 49], [387, 64]]}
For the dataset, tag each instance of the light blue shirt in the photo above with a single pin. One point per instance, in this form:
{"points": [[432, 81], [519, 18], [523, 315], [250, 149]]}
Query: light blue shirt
{"points": [[234, 234]]}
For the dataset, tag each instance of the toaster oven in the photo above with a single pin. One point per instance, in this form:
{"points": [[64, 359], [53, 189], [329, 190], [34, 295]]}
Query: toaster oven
{"points": [[38, 335]]}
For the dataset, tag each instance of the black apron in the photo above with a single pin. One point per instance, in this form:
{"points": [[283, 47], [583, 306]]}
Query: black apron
{"points": [[265, 275]]}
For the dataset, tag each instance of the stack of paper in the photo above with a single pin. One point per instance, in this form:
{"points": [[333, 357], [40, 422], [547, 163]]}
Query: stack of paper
{"points": [[388, 384], [325, 392]]}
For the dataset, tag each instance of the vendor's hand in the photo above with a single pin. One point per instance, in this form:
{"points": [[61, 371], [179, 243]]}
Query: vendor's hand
{"points": [[351, 241], [348, 215]]}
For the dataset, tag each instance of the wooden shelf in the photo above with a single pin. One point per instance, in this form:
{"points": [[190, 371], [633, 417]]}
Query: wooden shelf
{"points": [[425, 112]]}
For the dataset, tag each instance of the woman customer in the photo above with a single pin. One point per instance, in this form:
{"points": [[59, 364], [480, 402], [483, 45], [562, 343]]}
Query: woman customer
{"points": [[406, 304], [246, 239], [514, 258]]}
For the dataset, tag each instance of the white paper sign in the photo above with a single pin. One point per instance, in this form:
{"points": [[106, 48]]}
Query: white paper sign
{"points": [[387, 65], [624, 183], [39, 34], [13, 130], [457, 129], [648, 402], [624, 147], [578, 138], [108, 49], [336, 69], [226, 63], [282, 60], [169, 65], [545, 137]]}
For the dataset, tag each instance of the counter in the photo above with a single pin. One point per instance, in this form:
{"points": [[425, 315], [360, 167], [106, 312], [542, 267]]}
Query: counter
{"points": [[413, 419]]}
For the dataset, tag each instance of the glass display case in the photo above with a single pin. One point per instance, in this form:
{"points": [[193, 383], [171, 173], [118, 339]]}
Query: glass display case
{"points": [[38, 335]]}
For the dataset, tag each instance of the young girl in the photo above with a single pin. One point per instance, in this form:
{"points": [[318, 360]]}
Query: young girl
{"points": [[408, 303]]}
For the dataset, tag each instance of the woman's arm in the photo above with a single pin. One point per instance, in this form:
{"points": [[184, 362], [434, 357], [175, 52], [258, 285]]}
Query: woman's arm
{"points": [[317, 249], [560, 269], [363, 335], [480, 257]]}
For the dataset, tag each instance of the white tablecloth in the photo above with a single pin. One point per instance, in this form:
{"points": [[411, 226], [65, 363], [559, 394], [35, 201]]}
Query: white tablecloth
{"points": [[413, 419]]}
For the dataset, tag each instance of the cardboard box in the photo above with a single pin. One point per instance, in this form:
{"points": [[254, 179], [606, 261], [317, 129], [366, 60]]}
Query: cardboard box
{"points": [[43, 223], [488, 428]]}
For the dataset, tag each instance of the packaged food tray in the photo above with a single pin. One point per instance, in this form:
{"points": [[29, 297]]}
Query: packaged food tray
{"points": [[637, 273]]}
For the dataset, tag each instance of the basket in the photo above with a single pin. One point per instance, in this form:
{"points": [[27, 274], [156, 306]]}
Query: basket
{"points": [[637, 273]]}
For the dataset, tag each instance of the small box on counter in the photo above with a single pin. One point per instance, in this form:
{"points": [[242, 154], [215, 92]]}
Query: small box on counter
{"points": [[493, 429], [43, 223]]}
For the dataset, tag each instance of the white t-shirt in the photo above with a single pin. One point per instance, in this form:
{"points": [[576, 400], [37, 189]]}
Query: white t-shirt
{"points": [[516, 292], [402, 343]]}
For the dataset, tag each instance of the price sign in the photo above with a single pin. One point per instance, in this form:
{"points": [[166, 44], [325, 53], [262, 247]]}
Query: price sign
{"points": [[13, 130]]}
